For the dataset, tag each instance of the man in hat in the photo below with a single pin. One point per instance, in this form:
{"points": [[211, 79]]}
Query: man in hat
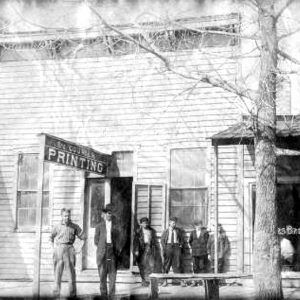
{"points": [[105, 237], [146, 250], [62, 238], [223, 249], [172, 244], [198, 242]]}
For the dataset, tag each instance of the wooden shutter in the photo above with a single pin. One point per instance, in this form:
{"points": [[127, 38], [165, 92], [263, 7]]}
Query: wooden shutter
{"points": [[150, 202]]}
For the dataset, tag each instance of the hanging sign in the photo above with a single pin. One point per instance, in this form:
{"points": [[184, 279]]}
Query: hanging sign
{"points": [[74, 155]]}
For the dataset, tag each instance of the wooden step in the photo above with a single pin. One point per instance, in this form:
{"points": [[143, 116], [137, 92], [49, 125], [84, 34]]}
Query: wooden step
{"points": [[290, 279], [123, 276]]}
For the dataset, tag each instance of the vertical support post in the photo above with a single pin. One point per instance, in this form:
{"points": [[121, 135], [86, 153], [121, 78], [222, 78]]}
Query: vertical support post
{"points": [[132, 229], [153, 288], [107, 191], [38, 225], [216, 209], [241, 208]]}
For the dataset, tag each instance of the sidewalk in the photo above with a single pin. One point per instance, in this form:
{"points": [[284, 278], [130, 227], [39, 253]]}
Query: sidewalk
{"points": [[23, 290]]}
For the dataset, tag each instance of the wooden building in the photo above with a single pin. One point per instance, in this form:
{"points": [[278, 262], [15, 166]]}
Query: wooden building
{"points": [[102, 92]]}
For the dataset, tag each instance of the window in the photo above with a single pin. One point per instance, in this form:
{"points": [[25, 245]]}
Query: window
{"points": [[188, 190], [121, 164], [27, 191]]}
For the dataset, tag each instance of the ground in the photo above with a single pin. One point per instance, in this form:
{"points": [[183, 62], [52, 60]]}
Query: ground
{"points": [[17, 290]]}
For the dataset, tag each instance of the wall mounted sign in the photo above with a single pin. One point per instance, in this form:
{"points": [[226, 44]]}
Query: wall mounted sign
{"points": [[74, 155]]}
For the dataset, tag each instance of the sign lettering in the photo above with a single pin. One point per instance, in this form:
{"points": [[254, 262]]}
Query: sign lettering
{"points": [[74, 155]]}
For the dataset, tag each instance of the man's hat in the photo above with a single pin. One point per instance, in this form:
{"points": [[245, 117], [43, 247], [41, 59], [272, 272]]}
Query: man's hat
{"points": [[107, 208], [144, 219], [173, 219]]}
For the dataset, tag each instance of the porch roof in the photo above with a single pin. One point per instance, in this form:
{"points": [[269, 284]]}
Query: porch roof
{"points": [[287, 133]]}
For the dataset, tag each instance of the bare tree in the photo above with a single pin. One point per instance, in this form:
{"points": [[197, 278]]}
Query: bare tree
{"points": [[266, 267], [267, 270]]}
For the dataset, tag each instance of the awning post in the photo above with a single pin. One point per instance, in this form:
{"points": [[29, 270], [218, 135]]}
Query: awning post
{"points": [[216, 210]]}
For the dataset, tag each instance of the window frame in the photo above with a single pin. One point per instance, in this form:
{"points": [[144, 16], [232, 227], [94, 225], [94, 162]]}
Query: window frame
{"points": [[16, 226], [202, 187]]}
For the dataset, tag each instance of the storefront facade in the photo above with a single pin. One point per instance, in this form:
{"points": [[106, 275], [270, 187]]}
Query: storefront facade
{"points": [[155, 124]]}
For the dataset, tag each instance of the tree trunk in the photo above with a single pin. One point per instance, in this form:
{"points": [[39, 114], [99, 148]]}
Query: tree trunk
{"points": [[266, 266]]}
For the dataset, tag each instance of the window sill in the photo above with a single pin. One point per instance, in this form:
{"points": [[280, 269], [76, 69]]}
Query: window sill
{"points": [[31, 230]]}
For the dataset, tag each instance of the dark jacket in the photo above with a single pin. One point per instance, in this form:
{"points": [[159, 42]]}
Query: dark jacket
{"points": [[199, 244], [165, 235], [223, 245], [153, 258], [138, 241], [100, 239]]}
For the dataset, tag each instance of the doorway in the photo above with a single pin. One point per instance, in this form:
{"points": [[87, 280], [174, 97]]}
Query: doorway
{"points": [[99, 192], [288, 201], [94, 203]]}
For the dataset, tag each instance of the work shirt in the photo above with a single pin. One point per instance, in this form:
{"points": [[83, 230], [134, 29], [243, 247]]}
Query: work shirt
{"points": [[108, 231], [66, 233], [147, 235]]}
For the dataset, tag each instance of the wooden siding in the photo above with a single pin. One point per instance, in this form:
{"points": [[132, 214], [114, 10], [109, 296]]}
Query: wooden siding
{"points": [[109, 103], [227, 198]]}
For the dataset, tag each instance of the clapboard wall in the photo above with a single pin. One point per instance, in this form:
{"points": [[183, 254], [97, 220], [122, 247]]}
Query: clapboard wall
{"points": [[111, 104]]}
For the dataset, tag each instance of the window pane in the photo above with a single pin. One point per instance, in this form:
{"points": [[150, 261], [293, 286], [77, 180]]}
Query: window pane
{"points": [[188, 206], [28, 170], [187, 197], [26, 199], [188, 168], [26, 217], [46, 177], [187, 215], [45, 217], [97, 203], [45, 199], [121, 164]]}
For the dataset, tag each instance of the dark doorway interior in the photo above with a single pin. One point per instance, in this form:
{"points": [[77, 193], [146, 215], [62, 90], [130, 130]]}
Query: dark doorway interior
{"points": [[288, 199], [121, 194]]}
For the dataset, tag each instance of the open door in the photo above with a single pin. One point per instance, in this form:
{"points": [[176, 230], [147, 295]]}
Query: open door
{"points": [[99, 192], [121, 198], [94, 202]]}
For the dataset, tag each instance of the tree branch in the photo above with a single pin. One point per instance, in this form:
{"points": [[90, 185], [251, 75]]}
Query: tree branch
{"points": [[221, 83], [281, 11], [289, 34], [129, 38], [288, 57]]}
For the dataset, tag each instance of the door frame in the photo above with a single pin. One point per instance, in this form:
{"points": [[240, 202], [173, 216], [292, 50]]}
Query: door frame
{"points": [[248, 205], [249, 183], [86, 209]]}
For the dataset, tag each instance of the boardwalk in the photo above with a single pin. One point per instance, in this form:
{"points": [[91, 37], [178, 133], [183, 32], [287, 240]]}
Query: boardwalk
{"points": [[134, 291]]}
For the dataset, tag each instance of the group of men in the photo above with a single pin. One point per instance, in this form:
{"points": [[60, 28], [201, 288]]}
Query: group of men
{"points": [[146, 250]]}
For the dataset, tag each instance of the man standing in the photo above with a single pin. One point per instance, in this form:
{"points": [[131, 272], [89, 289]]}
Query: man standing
{"points": [[198, 242], [146, 250], [172, 243], [64, 235], [223, 249], [105, 237]]}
